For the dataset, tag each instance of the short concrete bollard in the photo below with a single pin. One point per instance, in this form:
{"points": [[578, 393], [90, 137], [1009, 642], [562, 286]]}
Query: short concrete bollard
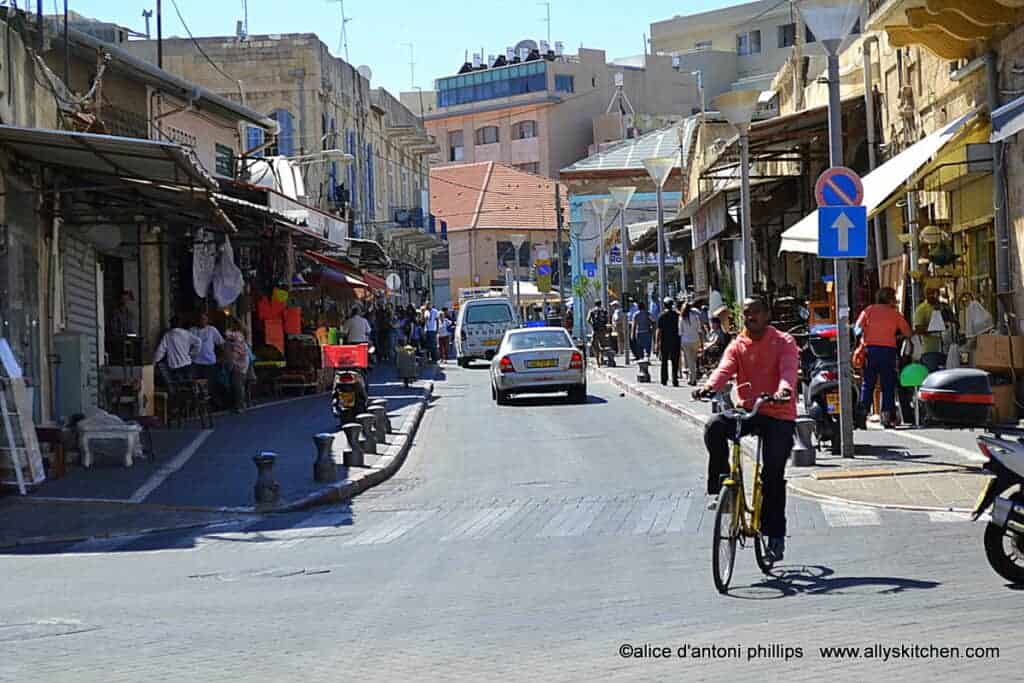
{"points": [[366, 421], [644, 374], [354, 453], [804, 454], [380, 417], [267, 490], [324, 467]]}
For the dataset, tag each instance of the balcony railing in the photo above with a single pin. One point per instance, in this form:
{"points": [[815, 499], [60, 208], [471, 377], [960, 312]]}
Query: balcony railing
{"points": [[408, 216]]}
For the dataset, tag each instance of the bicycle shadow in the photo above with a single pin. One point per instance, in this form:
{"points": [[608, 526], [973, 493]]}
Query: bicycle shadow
{"points": [[792, 580]]}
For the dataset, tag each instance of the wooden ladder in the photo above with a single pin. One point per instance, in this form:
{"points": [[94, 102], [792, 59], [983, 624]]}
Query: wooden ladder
{"points": [[21, 463]]}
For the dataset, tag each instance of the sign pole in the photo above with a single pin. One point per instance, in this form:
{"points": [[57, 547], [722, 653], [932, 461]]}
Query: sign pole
{"points": [[835, 129]]}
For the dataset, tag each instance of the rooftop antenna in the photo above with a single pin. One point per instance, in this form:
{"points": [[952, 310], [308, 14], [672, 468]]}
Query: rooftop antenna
{"points": [[343, 40], [547, 18], [620, 98], [245, 17], [412, 65], [147, 14]]}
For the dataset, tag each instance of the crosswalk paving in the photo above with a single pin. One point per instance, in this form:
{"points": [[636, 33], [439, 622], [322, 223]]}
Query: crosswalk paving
{"points": [[380, 521]]}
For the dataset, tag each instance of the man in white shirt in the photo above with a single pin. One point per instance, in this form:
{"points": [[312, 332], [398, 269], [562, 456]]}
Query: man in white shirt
{"points": [[357, 329], [178, 347], [430, 318], [210, 339]]}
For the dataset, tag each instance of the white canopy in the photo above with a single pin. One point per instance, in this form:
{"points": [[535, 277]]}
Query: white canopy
{"points": [[880, 184]]}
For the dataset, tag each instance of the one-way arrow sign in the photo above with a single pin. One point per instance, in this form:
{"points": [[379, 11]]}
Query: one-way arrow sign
{"points": [[842, 232]]}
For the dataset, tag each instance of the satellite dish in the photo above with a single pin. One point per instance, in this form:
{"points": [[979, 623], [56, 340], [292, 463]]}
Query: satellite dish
{"points": [[365, 72], [527, 44]]}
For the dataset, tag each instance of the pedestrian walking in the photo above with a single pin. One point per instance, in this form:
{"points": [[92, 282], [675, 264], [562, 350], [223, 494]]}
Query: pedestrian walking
{"points": [[430, 325], [443, 334], [881, 324], [691, 328], [598, 319], [205, 362], [236, 356], [641, 332], [666, 343], [617, 329]]}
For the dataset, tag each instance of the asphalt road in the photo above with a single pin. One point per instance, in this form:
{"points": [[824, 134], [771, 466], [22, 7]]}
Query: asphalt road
{"points": [[528, 541]]}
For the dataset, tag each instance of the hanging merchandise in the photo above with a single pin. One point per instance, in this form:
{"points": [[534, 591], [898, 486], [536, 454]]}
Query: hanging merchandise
{"points": [[280, 295], [227, 279], [937, 324], [204, 261], [979, 320]]}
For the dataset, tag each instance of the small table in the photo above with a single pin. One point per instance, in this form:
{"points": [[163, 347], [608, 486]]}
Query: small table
{"points": [[127, 433]]}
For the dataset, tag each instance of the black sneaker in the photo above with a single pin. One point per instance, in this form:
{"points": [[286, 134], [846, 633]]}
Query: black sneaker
{"points": [[776, 549]]}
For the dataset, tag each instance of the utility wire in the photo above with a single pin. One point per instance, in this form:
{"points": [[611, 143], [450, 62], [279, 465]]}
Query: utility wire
{"points": [[198, 46]]}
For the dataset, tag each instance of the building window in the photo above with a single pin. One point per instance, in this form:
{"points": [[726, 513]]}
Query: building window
{"points": [[507, 254], [809, 36], [456, 150], [493, 83], [564, 83], [524, 129], [488, 135], [748, 43], [224, 161], [787, 35], [285, 144], [702, 45], [531, 167], [254, 138]]}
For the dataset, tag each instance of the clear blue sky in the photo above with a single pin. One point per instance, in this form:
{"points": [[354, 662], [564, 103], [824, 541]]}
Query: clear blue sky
{"points": [[440, 30]]}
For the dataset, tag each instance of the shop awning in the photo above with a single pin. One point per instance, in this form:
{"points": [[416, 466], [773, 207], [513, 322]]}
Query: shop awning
{"points": [[374, 281], [129, 158], [329, 277], [882, 184], [1008, 120]]}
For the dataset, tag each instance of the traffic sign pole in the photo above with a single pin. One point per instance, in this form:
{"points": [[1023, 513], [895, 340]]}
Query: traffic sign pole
{"points": [[623, 330], [842, 277]]}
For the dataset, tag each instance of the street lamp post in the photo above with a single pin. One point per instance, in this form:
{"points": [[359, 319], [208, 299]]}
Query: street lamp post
{"points": [[578, 304], [517, 242], [659, 169], [621, 196], [831, 21], [738, 109], [600, 206]]}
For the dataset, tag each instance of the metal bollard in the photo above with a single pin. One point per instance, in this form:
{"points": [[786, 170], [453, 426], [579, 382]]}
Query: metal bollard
{"points": [[354, 452], [383, 403], [267, 490], [324, 467], [366, 420], [804, 453], [380, 418]]}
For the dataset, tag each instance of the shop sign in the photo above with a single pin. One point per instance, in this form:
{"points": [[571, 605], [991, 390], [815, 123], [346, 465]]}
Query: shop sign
{"points": [[709, 221]]}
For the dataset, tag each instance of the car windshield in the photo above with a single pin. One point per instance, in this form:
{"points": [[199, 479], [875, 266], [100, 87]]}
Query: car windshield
{"points": [[489, 313], [548, 339]]}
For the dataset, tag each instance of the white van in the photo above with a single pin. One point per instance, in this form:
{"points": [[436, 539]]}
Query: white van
{"points": [[481, 326]]}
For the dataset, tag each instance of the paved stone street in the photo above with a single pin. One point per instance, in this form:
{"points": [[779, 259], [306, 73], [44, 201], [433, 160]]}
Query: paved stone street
{"points": [[532, 540]]}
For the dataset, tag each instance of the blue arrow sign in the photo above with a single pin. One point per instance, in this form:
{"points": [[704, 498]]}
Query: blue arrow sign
{"points": [[590, 268], [543, 270], [842, 232]]}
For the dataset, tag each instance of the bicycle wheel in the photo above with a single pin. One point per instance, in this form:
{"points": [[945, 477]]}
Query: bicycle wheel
{"points": [[761, 553], [723, 551]]}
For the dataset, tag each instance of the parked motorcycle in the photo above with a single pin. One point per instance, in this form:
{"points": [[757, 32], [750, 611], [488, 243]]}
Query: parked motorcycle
{"points": [[1004, 493], [821, 390], [349, 395]]}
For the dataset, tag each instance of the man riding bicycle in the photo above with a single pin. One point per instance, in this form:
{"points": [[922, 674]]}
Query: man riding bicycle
{"points": [[763, 361]]}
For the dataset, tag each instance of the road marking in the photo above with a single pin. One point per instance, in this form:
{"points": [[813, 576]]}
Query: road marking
{"points": [[678, 521], [659, 505], [169, 468], [848, 515], [574, 520], [973, 456], [402, 522]]}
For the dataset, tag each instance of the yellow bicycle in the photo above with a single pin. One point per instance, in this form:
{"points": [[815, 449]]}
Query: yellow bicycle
{"points": [[736, 521]]}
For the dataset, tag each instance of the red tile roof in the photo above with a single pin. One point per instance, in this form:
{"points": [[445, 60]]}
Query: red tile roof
{"points": [[493, 195]]}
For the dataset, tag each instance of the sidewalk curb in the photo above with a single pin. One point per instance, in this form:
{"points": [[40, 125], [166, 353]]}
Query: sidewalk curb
{"points": [[345, 490], [699, 421], [46, 540]]}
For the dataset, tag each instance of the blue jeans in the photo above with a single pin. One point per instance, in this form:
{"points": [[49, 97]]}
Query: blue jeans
{"points": [[432, 345], [643, 344], [881, 366]]}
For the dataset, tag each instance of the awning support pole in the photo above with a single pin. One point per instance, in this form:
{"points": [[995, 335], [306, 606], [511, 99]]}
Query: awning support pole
{"points": [[999, 201]]}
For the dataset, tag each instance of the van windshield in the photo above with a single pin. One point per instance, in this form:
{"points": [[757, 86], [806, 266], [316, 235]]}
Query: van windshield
{"points": [[489, 313]]}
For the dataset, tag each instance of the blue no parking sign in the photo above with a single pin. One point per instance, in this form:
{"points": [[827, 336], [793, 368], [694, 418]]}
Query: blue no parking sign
{"points": [[842, 221]]}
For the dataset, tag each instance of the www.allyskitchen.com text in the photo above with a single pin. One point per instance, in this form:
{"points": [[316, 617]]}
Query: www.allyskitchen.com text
{"points": [[783, 652]]}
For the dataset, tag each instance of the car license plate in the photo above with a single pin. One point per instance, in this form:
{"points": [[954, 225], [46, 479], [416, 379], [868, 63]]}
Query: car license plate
{"points": [[490, 342], [542, 363], [348, 399], [832, 401], [984, 493]]}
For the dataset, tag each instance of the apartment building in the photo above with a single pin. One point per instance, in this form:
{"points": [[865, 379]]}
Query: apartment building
{"points": [[320, 102], [735, 48], [539, 110]]}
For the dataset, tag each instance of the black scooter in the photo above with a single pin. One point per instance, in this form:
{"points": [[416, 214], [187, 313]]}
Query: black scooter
{"points": [[820, 362], [349, 395]]}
